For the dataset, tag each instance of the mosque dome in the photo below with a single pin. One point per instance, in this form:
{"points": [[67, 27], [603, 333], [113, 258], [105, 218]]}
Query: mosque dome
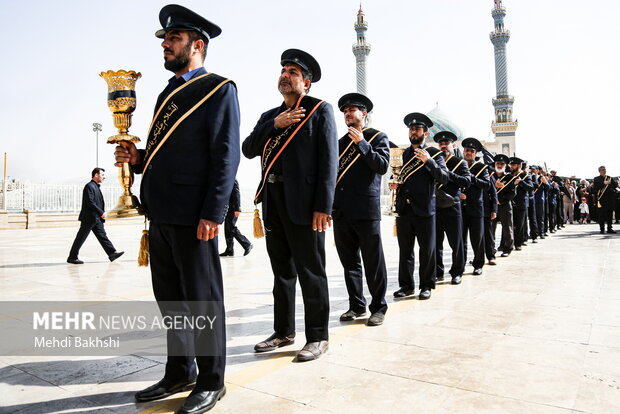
{"points": [[443, 122]]}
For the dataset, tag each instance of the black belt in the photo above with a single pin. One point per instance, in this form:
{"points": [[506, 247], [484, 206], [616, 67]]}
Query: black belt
{"points": [[273, 178]]}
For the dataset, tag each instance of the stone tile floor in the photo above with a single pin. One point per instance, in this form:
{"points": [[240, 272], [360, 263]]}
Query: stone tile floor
{"points": [[539, 333]]}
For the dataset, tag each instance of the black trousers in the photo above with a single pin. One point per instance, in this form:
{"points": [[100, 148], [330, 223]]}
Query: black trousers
{"points": [[452, 226], [409, 229], [353, 237], [540, 217], [85, 228], [187, 279], [605, 215], [519, 220], [489, 238], [504, 216], [296, 251], [475, 227], [552, 217], [232, 233]]}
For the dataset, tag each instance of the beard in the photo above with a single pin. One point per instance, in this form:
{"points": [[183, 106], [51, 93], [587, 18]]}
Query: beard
{"points": [[500, 170], [177, 63], [416, 141]]}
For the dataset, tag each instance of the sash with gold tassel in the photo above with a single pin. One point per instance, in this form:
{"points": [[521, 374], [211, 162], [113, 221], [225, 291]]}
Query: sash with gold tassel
{"points": [[410, 168], [350, 155], [180, 104], [272, 151]]}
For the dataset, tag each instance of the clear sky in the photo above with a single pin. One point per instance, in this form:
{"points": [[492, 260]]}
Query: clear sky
{"points": [[563, 67]]}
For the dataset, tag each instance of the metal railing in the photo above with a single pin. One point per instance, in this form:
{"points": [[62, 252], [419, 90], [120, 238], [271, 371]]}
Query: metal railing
{"points": [[56, 198]]}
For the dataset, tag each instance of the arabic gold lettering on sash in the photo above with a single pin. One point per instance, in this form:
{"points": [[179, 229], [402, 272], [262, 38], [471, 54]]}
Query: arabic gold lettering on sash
{"points": [[162, 125]]}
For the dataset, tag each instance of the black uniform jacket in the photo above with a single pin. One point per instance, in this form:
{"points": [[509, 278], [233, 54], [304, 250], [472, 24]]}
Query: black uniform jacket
{"points": [[473, 205], [309, 162], [457, 179], [192, 175], [417, 195], [607, 199], [358, 192], [540, 189], [93, 205], [490, 197], [523, 188], [507, 193]]}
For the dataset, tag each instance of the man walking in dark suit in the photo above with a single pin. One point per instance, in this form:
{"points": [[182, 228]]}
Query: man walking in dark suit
{"points": [[231, 232], [449, 219], [473, 203], [423, 167], [188, 170], [92, 217], [298, 146], [364, 158]]}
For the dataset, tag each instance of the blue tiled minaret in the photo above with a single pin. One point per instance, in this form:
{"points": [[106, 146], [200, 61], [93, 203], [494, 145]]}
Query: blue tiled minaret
{"points": [[361, 50], [503, 126]]}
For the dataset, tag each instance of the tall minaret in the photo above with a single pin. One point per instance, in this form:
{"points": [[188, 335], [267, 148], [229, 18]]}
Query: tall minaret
{"points": [[361, 50], [503, 127]]}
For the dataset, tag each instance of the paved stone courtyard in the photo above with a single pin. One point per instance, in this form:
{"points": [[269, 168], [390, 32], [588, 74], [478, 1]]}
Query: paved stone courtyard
{"points": [[539, 333]]}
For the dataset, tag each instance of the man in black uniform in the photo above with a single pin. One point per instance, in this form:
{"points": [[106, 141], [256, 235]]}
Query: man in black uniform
{"points": [[364, 158], [231, 232], [449, 218], [531, 231], [298, 146], [490, 213], [506, 191], [604, 197], [473, 203], [541, 187], [92, 217], [423, 167], [520, 202], [188, 169]]}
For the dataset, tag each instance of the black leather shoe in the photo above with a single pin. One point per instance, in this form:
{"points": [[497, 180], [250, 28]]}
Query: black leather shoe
{"points": [[534, 241], [518, 248], [477, 272], [312, 351], [351, 315], [115, 256], [403, 292], [273, 342], [505, 254], [439, 278], [602, 232], [163, 389], [610, 231], [492, 262], [201, 401], [425, 294], [376, 319], [227, 253], [74, 261], [248, 250], [456, 280], [542, 237]]}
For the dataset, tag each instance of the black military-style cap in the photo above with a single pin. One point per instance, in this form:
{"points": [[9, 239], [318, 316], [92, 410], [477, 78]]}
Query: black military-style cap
{"points": [[416, 118], [175, 17], [355, 99], [472, 143], [536, 167], [515, 160], [444, 136], [303, 59], [501, 158]]}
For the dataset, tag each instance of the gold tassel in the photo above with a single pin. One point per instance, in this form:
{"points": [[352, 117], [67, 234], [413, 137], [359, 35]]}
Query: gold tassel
{"points": [[258, 225], [143, 254], [395, 229]]}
